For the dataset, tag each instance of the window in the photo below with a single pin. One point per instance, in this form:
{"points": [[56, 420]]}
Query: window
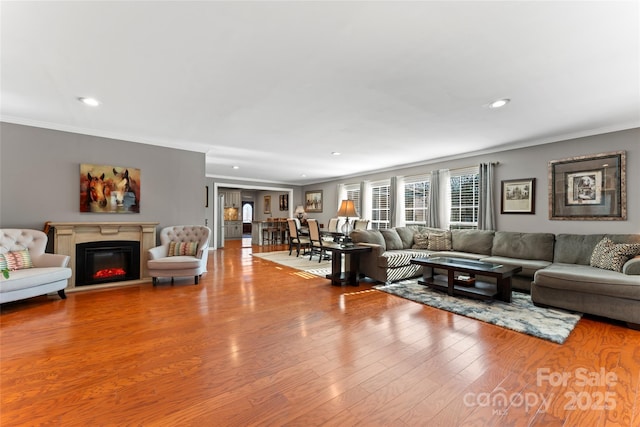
{"points": [[353, 193], [380, 210], [464, 198], [416, 199]]}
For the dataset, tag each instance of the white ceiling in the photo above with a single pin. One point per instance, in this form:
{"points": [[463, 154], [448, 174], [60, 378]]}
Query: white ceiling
{"points": [[275, 87]]}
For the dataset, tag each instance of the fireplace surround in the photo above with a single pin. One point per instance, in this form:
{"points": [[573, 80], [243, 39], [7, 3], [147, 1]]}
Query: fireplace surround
{"points": [[66, 236]]}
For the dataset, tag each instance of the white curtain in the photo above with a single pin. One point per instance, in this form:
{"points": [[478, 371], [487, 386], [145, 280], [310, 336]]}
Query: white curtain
{"points": [[342, 195], [439, 200], [486, 206], [365, 199], [444, 192], [396, 201]]}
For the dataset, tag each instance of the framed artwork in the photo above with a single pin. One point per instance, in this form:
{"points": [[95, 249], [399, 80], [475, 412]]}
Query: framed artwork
{"points": [[518, 196], [313, 201], [109, 189], [284, 202], [591, 187], [267, 204]]}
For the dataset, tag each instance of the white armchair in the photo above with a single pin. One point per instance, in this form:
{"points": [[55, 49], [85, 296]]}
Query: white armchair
{"points": [[183, 251], [39, 273]]}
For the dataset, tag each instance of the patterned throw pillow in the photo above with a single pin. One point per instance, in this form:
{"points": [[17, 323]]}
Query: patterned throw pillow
{"points": [[16, 260], [183, 248], [612, 256], [440, 241], [420, 241]]}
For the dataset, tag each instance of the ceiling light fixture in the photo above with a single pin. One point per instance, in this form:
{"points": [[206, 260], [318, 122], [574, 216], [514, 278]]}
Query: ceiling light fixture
{"points": [[89, 101], [235, 167], [499, 103], [335, 153]]}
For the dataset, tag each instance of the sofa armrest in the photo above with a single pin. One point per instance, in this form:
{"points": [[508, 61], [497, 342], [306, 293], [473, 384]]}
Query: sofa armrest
{"points": [[158, 252], [376, 249], [632, 266], [50, 260]]}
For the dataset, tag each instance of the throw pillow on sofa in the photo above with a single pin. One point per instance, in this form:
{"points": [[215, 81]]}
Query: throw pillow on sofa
{"points": [[183, 248], [421, 241], [440, 241], [16, 260], [612, 256], [392, 239]]}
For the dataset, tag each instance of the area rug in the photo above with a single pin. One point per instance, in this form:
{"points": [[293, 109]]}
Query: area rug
{"points": [[299, 263], [520, 315]]}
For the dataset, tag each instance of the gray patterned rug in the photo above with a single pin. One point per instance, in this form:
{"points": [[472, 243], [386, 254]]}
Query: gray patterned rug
{"points": [[520, 315]]}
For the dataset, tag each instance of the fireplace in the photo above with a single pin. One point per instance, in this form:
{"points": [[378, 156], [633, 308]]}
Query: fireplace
{"points": [[107, 262]]}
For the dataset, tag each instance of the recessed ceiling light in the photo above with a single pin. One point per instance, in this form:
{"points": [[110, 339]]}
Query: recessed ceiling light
{"points": [[89, 101], [235, 167], [499, 103], [335, 153], [304, 175]]}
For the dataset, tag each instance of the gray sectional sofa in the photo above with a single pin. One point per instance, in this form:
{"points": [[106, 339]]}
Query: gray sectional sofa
{"points": [[556, 269]]}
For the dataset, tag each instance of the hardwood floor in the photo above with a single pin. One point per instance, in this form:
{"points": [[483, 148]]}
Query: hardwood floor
{"points": [[260, 344]]}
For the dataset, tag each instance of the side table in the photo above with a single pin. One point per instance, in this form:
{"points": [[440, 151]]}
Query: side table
{"points": [[351, 272]]}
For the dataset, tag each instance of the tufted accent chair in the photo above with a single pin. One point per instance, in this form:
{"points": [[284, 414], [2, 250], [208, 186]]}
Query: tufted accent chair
{"points": [[161, 264], [49, 273]]}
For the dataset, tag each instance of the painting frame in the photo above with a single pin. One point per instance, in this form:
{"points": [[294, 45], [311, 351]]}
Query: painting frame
{"points": [[589, 187], [109, 189], [284, 202], [267, 205], [518, 196], [313, 201]]}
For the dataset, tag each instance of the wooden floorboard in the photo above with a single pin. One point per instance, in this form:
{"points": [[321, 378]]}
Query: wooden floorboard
{"points": [[256, 343]]}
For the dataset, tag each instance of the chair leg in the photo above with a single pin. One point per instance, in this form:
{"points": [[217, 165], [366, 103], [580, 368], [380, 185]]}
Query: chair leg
{"points": [[154, 281], [197, 277], [62, 294]]}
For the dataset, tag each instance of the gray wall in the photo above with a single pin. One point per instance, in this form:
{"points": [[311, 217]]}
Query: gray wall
{"points": [[530, 162], [39, 178]]}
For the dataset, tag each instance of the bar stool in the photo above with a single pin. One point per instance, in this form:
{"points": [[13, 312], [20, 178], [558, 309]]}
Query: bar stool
{"points": [[270, 232]]}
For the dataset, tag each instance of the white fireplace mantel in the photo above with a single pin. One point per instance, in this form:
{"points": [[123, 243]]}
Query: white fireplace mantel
{"points": [[66, 235]]}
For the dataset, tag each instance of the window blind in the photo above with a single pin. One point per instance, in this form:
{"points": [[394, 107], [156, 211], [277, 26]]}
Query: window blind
{"points": [[416, 199], [380, 209], [464, 197]]}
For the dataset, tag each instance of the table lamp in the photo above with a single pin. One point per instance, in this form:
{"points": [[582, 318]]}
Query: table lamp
{"points": [[347, 209], [299, 211]]}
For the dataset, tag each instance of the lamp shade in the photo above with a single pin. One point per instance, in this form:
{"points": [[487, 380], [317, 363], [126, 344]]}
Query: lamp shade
{"points": [[347, 209], [299, 209]]}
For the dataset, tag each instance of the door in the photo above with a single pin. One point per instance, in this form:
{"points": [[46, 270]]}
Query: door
{"points": [[220, 242]]}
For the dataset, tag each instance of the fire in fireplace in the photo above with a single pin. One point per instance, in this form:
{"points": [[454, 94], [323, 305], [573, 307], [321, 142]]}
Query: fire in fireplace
{"points": [[107, 261]]}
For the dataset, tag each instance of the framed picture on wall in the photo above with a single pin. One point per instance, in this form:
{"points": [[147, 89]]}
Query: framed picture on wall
{"points": [[267, 204], [284, 202], [313, 201], [518, 196], [109, 189], [591, 187]]}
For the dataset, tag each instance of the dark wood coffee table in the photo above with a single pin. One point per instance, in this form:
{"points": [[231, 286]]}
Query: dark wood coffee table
{"points": [[472, 288]]}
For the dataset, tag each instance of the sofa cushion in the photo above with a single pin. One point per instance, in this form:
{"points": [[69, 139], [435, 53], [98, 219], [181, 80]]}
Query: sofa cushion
{"points": [[395, 259], [183, 248], [529, 266], [368, 236], [474, 241], [392, 239], [174, 263], [34, 277], [537, 246], [407, 235], [16, 260], [440, 241], [613, 256], [587, 279]]}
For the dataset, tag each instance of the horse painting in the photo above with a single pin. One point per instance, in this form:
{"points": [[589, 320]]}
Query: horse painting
{"points": [[109, 189], [97, 190], [123, 184]]}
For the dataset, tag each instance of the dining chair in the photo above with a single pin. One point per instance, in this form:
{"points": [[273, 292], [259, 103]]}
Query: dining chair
{"points": [[317, 245], [301, 242]]}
